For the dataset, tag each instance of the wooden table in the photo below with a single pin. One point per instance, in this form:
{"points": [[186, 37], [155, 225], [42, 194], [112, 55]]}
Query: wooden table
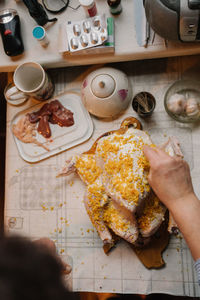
{"points": [[126, 47]]}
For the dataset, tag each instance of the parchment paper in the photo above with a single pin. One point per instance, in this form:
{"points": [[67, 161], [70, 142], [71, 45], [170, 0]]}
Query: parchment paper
{"points": [[38, 204]]}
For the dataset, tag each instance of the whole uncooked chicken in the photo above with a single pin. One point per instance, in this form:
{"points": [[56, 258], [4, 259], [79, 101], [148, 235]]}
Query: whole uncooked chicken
{"points": [[118, 198]]}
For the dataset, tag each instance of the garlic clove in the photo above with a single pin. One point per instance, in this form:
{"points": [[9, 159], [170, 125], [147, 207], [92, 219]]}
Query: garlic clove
{"points": [[176, 103], [192, 108]]}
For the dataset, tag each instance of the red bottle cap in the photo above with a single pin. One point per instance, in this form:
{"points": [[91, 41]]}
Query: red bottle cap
{"points": [[7, 31]]}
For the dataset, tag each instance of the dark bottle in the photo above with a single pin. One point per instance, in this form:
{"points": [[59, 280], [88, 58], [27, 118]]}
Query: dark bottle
{"points": [[10, 32], [115, 6]]}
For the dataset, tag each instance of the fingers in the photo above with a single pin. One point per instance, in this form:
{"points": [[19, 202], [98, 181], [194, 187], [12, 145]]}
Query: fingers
{"points": [[67, 269], [150, 154], [154, 155]]}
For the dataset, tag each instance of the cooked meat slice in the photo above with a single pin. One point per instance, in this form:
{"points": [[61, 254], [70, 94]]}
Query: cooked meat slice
{"points": [[53, 112], [43, 126], [26, 132], [125, 169], [122, 226], [60, 115], [62, 118], [152, 216], [25, 129], [54, 105], [34, 117]]}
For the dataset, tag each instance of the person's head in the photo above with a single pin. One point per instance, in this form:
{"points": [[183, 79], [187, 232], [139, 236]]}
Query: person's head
{"points": [[30, 271]]}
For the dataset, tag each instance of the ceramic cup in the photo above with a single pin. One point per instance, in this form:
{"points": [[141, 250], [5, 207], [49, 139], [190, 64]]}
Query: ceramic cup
{"points": [[14, 96], [30, 79]]}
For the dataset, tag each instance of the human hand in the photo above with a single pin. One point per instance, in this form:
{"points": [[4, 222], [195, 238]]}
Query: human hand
{"points": [[169, 177]]}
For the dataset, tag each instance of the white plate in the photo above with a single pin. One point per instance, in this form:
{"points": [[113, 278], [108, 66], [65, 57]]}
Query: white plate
{"points": [[62, 137]]}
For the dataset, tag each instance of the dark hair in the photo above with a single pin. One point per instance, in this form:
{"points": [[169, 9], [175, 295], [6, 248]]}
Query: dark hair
{"points": [[30, 271]]}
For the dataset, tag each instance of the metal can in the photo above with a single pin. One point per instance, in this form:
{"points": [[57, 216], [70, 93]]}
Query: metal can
{"points": [[89, 7]]}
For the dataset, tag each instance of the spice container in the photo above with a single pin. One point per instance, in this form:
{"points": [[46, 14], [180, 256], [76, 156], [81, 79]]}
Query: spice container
{"points": [[144, 104], [40, 35], [115, 6], [89, 7]]}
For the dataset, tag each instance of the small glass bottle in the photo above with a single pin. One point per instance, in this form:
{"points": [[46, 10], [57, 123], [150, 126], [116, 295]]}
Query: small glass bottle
{"points": [[115, 6], [90, 7], [40, 35]]}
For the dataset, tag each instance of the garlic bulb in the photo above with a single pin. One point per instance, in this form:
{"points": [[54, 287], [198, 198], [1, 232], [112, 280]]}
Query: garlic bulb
{"points": [[192, 107], [176, 103]]}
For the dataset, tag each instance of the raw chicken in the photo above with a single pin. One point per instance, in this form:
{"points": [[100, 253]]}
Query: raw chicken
{"points": [[124, 167], [151, 217], [43, 127], [103, 213], [25, 131], [94, 209], [118, 197]]}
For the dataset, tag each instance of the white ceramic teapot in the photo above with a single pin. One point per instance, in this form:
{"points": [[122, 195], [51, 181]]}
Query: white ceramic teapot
{"points": [[106, 92]]}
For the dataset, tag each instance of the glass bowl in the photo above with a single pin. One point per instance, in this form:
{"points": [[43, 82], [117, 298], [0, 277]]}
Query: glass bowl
{"points": [[186, 92]]}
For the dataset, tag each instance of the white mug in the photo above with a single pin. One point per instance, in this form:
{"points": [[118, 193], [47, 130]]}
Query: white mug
{"points": [[30, 79]]}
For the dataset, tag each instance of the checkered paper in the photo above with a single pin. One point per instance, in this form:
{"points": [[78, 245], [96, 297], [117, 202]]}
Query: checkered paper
{"points": [[39, 204]]}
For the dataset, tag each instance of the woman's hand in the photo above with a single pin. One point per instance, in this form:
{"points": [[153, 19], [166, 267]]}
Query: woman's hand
{"points": [[171, 181], [169, 176]]}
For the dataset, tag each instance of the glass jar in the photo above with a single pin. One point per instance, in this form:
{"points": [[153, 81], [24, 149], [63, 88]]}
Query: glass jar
{"points": [[115, 6], [182, 101]]}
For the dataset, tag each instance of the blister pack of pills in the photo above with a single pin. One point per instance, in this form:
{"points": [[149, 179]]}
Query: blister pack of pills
{"points": [[87, 33]]}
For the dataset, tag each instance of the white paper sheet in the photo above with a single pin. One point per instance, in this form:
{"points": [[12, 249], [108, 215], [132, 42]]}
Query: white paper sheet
{"points": [[39, 204]]}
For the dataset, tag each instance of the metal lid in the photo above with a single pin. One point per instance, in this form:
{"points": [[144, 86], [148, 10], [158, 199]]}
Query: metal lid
{"points": [[38, 32], [86, 2], [6, 15], [103, 85]]}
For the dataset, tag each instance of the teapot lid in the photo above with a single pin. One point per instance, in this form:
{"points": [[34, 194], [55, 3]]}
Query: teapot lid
{"points": [[103, 85]]}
